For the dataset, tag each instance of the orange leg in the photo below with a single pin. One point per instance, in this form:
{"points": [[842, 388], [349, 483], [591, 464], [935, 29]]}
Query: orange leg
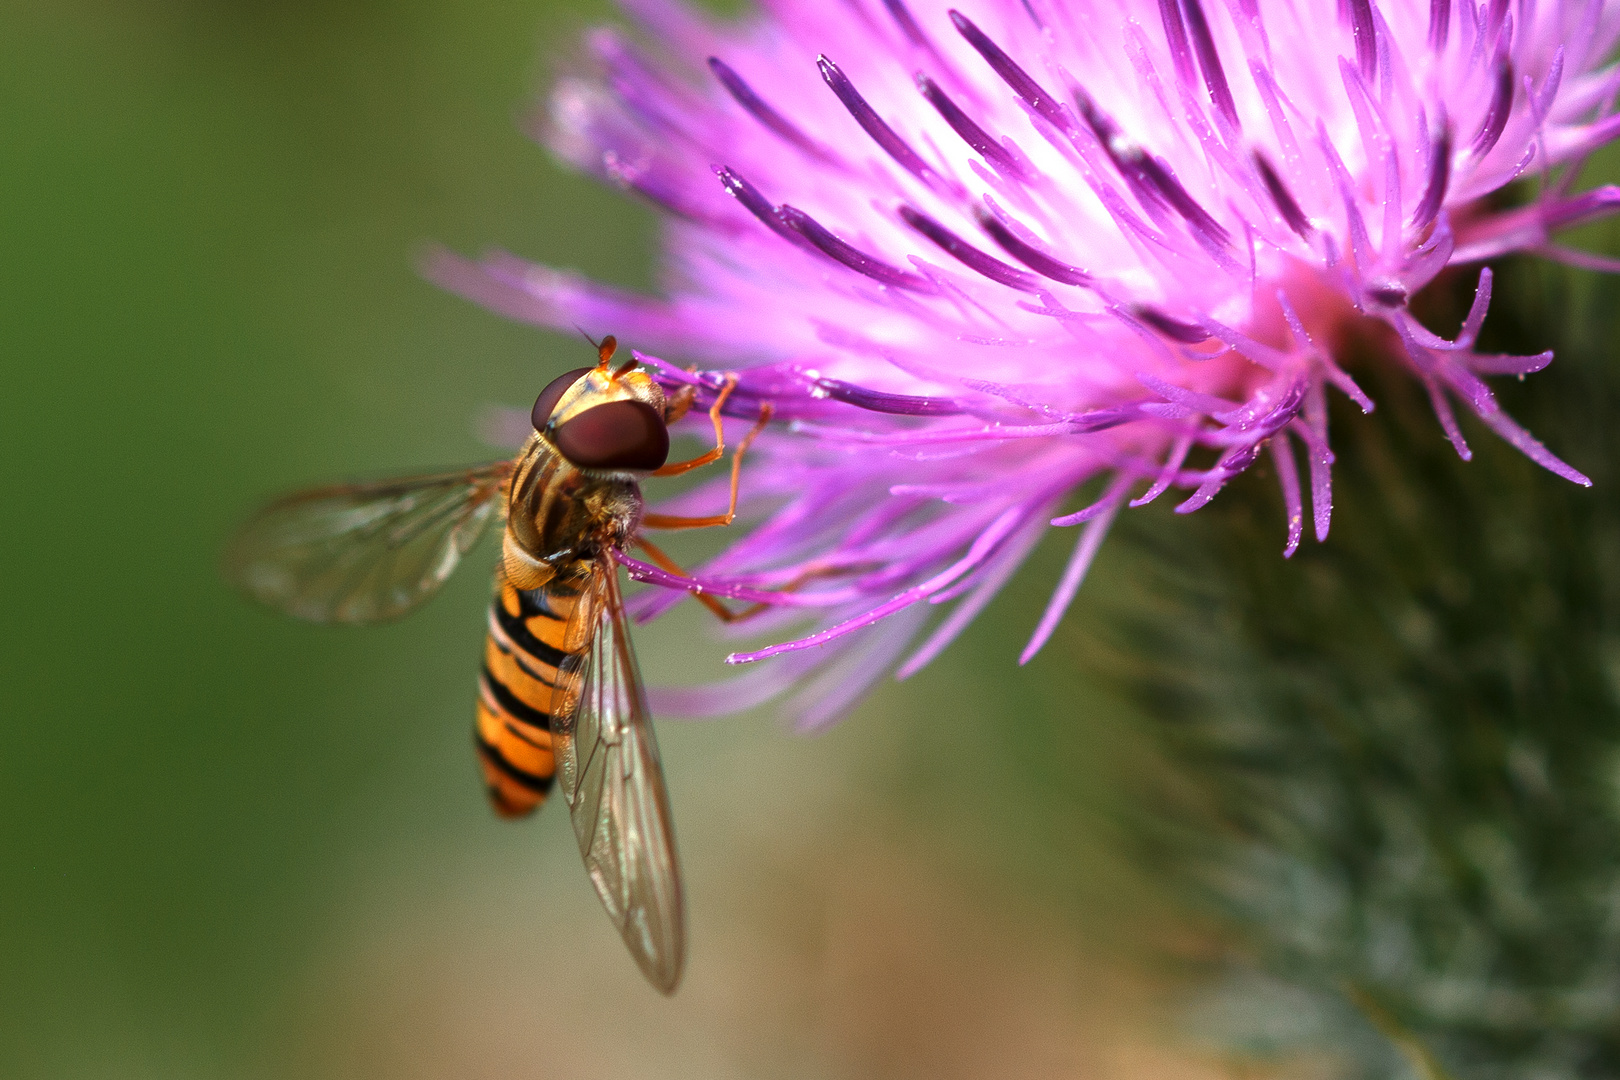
{"points": [[678, 467], [678, 404], [667, 521], [713, 603], [723, 613]]}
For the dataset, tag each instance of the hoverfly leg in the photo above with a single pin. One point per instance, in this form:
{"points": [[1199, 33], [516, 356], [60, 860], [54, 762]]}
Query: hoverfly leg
{"points": [[678, 467], [677, 405], [667, 521], [721, 612], [725, 614]]}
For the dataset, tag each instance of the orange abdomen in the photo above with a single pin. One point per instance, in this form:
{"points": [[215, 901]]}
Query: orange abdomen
{"points": [[526, 678]]}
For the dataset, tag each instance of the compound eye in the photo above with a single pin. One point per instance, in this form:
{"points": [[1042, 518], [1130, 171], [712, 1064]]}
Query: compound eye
{"points": [[615, 435], [540, 415]]}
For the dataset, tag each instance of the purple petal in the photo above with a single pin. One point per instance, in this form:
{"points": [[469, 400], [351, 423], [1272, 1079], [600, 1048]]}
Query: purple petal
{"points": [[971, 133], [1085, 550], [985, 590], [1013, 75], [1167, 475], [1284, 200], [756, 106], [1282, 452], [1434, 192], [848, 254], [1037, 261], [1496, 116], [895, 404], [654, 575], [1175, 34], [1363, 30], [1439, 24], [870, 122], [1209, 61], [966, 253], [981, 549]]}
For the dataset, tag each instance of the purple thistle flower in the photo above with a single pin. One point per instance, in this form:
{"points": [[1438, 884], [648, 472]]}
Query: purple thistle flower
{"points": [[979, 258]]}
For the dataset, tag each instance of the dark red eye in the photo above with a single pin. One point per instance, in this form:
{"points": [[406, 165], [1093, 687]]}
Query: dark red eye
{"points": [[616, 435], [555, 389]]}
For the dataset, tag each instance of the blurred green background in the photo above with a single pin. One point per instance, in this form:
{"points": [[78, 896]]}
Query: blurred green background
{"points": [[236, 846]]}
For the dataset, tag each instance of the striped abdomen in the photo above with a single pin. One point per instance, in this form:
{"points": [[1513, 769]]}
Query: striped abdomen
{"points": [[520, 688]]}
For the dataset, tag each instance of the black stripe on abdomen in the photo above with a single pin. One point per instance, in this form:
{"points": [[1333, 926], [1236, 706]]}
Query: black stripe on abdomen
{"points": [[523, 778], [512, 705], [516, 629]]}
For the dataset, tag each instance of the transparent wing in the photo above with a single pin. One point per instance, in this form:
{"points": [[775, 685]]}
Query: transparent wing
{"points": [[609, 773], [362, 553]]}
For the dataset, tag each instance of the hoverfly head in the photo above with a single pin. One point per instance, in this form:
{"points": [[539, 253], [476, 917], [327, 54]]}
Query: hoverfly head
{"points": [[601, 418]]}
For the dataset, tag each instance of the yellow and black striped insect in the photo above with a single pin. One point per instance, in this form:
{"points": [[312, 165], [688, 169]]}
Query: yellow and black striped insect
{"points": [[559, 696]]}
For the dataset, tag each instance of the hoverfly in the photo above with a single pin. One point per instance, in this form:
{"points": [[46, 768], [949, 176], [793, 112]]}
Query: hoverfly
{"points": [[560, 696]]}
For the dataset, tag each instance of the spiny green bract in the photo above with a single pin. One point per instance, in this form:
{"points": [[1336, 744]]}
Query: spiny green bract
{"points": [[1405, 745]]}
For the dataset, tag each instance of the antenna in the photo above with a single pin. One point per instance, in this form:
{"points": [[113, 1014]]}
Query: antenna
{"points": [[604, 349]]}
